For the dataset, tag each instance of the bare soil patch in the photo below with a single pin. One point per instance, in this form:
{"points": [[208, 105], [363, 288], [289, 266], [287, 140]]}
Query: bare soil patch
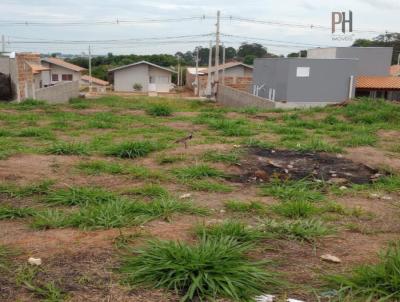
{"points": [[265, 164]]}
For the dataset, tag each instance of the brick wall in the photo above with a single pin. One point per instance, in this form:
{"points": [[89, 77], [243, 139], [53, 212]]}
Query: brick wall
{"points": [[25, 75]]}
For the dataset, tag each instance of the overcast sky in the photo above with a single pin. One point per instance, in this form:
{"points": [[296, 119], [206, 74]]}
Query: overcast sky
{"points": [[376, 15]]}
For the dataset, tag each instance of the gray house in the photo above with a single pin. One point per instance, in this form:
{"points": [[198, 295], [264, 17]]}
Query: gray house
{"points": [[303, 82], [373, 61], [375, 75], [148, 76]]}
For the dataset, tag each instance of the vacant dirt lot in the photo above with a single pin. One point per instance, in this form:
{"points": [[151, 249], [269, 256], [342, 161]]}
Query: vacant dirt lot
{"points": [[61, 166]]}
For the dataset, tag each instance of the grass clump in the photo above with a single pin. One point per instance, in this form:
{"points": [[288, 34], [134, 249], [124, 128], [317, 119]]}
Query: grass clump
{"points": [[13, 191], [295, 209], [209, 186], [8, 212], [114, 214], [80, 196], [232, 157], [301, 229], [150, 190], [374, 282], [301, 190], [198, 172], [133, 149], [233, 229], [68, 148], [245, 207], [97, 167], [213, 268], [159, 110], [36, 132]]}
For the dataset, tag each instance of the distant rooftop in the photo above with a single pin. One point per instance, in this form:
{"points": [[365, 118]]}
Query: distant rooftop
{"points": [[62, 63]]}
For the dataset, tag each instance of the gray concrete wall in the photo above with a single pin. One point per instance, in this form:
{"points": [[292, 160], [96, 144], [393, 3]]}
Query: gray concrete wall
{"points": [[231, 97], [60, 93], [124, 79], [328, 81], [271, 74], [373, 61]]}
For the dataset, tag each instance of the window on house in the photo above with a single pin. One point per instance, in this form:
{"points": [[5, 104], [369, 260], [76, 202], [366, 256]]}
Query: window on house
{"points": [[303, 72], [162, 80], [54, 77], [67, 77]]}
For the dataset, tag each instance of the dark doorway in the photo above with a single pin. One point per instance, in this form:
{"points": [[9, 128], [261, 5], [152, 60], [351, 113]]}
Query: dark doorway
{"points": [[6, 88]]}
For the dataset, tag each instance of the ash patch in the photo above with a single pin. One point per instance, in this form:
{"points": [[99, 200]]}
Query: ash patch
{"points": [[262, 165]]}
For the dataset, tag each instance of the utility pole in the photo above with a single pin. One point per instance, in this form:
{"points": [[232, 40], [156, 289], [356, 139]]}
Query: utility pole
{"points": [[90, 69], [223, 64], [3, 44], [398, 60], [197, 92], [217, 47], [208, 89], [179, 71]]}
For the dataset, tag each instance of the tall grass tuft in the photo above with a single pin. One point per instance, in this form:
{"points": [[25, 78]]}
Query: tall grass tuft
{"points": [[68, 148], [213, 268], [8, 212], [80, 196], [159, 110], [295, 209], [374, 282], [234, 229], [301, 229], [133, 149], [197, 172]]}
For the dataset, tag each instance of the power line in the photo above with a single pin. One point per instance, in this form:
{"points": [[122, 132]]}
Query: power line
{"points": [[294, 25], [99, 22]]}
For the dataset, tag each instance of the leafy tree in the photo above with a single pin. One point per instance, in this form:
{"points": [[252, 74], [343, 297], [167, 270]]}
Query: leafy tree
{"points": [[384, 40], [249, 59], [255, 49], [296, 54]]}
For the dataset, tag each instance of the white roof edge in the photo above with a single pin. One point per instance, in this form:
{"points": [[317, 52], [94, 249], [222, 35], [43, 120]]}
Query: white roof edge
{"points": [[141, 62]]}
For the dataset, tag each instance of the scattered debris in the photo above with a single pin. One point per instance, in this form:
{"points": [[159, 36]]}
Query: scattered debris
{"points": [[294, 300], [342, 188], [222, 211], [330, 258], [185, 196], [374, 195], [35, 261], [265, 298], [265, 164], [386, 198]]}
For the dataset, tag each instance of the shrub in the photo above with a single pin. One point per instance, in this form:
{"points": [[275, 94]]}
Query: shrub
{"points": [[137, 87], [375, 282], [133, 149], [213, 268], [159, 110], [150, 190]]}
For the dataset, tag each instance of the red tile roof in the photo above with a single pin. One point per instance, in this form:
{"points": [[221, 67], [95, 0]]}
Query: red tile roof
{"points": [[97, 81], [36, 67], [62, 63], [378, 82], [395, 70]]}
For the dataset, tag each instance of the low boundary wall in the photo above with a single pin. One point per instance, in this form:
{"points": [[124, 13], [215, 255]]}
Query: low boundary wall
{"points": [[60, 93], [231, 97]]}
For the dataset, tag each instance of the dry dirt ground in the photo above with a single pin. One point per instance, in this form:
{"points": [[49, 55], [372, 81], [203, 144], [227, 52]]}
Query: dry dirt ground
{"points": [[84, 263]]}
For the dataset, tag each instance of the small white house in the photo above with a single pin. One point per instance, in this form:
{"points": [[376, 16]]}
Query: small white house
{"points": [[60, 71], [141, 76]]}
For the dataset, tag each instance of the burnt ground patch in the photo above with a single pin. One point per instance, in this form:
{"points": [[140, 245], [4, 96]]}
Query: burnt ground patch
{"points": [[263, 165]]}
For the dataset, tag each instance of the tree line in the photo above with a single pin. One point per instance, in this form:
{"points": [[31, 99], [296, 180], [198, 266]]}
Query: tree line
{"points": [[246, 53]]}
